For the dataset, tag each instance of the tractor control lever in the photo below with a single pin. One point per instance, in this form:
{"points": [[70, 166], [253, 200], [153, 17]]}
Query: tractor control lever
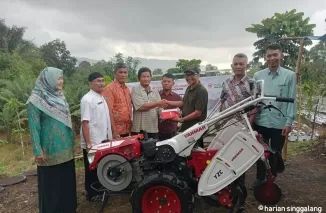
{"points": [[262, 106], [270, 106]]}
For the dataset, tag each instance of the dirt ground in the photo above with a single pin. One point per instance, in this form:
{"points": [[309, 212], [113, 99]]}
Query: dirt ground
{"points": [[303, 183]]}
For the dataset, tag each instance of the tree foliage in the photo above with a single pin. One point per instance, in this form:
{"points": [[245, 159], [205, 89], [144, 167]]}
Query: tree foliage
{"points": [[183, 64], [55, 54], [21, 61], [11, 38], [313, 69], [254, 66], [271, 30]]}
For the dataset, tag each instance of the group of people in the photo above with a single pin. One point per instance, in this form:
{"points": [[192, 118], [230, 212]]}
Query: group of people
{"points": [[113, 111]]}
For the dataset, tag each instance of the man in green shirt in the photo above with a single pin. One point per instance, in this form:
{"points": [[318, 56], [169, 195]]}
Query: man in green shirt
{"points": [[280, 82], [194, 103]]}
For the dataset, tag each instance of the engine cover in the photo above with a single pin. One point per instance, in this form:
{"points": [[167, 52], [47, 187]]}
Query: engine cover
{"points": [[115, 172], [229, 163]]}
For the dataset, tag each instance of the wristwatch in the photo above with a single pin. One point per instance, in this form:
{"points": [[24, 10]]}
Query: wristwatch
{"points": [[89, 146]]}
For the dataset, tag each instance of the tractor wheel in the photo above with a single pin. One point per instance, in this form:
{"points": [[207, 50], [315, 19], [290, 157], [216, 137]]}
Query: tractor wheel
{"points": [[268, 193], [114, 172], [162, 192]]}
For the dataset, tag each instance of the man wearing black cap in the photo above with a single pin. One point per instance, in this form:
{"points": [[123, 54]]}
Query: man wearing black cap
{"points": [[194, 103], [95, 126]]}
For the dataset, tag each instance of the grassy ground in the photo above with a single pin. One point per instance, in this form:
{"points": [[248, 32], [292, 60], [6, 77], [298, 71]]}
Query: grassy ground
{"points": [[12, 161]]}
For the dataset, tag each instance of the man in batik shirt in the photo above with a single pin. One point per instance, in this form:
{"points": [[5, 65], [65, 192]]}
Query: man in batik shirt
{"points": [[117, 96], [234, 90]]}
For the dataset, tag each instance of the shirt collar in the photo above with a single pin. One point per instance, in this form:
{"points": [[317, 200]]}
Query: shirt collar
{"points": [[117, 83], [241, 81], [277, 71], [95, 93], [197, 85], [170, 93], [143, 89]]}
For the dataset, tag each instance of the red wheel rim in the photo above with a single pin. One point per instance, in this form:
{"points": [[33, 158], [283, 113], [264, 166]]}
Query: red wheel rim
{"points": [[268, 193], [160, 199]]}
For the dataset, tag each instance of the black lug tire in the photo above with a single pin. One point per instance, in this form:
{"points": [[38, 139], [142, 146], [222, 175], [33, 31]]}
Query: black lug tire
{"points": [[169, 180]]}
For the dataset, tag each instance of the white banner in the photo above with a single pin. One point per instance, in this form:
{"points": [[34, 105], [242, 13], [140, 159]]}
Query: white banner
{"points": [[213, 85]]}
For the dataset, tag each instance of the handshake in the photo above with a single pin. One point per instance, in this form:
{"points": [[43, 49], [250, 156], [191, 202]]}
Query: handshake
{"points": [[163, 103]]}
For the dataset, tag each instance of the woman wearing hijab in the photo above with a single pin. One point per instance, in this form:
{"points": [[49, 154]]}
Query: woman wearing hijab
{"points": [[53, 143]]}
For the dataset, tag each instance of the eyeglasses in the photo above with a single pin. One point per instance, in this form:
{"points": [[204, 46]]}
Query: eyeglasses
{"points": [[99, 81]]}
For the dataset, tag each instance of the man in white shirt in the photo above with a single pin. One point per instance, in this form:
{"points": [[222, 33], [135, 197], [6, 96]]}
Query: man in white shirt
{"points": [[96, 126]]}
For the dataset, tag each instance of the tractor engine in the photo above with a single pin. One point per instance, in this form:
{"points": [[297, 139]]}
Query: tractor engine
{"points": [[118, 162]]}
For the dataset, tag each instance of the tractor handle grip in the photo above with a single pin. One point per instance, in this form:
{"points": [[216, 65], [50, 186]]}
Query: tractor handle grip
{"points": [[281, 99]]}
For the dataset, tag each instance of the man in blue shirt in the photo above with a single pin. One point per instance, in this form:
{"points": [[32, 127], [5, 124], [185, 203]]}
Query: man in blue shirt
{"points": [[272, 124]]}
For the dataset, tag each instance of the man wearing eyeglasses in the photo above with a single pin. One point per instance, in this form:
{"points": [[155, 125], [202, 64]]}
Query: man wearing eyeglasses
{"points": [[194, 103], [96, 126]]}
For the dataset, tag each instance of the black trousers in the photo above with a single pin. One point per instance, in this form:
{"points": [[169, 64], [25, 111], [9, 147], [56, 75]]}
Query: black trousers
{"points": [[242, 180], [276, 142], [90, 177], [165, 136], [57, 188]]}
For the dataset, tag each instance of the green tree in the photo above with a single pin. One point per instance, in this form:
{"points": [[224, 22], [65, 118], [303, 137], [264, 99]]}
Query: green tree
{"points": [[55, 54], [318, 52], [11, 38], [183, 64], [107, 79], [84, 65], [101, 67], [254, 66], [131, 62], [287, 24], [13, 65], [313, 80], [313, 69]]}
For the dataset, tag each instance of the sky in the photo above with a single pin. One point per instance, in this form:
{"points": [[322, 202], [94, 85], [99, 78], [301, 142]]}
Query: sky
{"points": [[212, 31]]}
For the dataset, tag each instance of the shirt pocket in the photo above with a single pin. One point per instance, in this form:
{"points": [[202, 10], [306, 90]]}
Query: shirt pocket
{"points": [[121, 112], [282, 90], [190, 99], [98, 114]]}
